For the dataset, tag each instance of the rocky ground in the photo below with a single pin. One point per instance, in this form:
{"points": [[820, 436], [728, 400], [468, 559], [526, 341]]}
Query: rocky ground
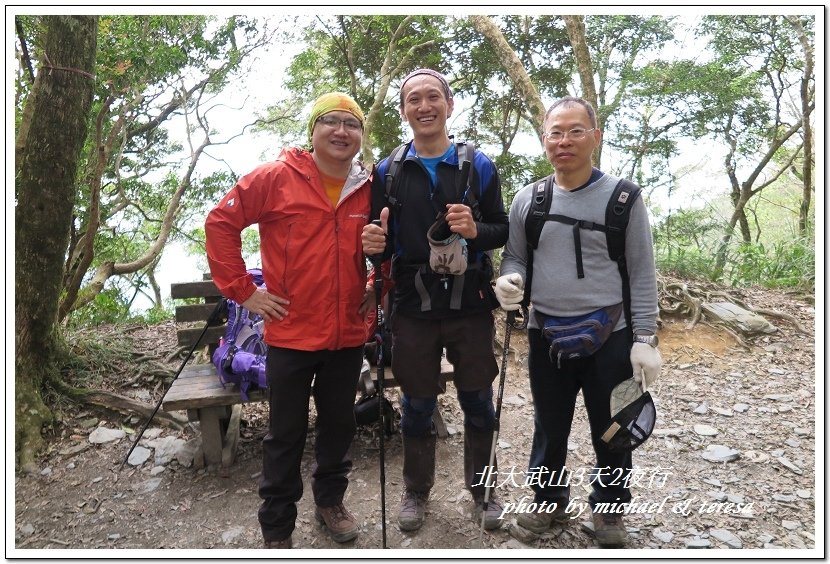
{"points": [[731, 465]]}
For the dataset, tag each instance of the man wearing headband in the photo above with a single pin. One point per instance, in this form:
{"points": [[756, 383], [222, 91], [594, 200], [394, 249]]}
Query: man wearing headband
{"points": [[311, 207], [433, 311]]}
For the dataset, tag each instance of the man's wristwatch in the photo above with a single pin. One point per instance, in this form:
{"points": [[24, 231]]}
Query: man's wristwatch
{"points": [[647, 339]]}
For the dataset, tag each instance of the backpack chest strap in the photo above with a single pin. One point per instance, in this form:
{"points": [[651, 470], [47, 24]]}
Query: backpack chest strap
{"points": [[577, 225]]}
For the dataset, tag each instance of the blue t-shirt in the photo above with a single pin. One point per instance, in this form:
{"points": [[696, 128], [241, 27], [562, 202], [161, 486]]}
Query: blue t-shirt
{"points": [[431, 163]]}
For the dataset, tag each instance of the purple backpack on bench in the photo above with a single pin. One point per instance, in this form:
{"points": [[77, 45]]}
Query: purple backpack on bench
{"points": [[240, 357]]}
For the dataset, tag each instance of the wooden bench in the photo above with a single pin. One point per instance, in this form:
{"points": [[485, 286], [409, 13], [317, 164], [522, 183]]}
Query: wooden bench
{"points": [[199, 391]]}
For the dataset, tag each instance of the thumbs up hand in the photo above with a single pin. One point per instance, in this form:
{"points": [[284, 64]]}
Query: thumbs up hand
{"points": [[374, 236]]}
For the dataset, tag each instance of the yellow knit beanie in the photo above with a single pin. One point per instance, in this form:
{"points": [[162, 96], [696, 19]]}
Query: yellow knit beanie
{"points": [[331, 102]]}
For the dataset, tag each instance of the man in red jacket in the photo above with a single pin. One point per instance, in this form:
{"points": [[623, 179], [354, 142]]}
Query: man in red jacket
{"points": [[311, 207]]}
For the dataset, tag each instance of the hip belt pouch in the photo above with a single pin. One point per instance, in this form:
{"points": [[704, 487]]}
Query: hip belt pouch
{"points": [[579, 336]]}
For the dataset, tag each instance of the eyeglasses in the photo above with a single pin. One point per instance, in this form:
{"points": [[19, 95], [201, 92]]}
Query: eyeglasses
{"points": [[334, 123], [575, 134]]}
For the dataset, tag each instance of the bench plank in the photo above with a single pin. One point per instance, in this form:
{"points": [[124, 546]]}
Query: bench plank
{"points": [[198, 386], [200, 289], [198, 312], [188, 337]]}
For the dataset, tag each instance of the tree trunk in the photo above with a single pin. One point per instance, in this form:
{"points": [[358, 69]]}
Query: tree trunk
{"points": [[806, 110], [46, 190], [576, 34], [515, 70]]}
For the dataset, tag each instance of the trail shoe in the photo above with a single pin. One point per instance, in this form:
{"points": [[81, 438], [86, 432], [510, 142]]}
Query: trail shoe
{"points": [[492, 517], [284, 543], [609, 530], [540, 521], [413, 508], [341, 524]]}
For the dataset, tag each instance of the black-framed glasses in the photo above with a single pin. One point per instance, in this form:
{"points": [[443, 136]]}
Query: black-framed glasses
{"points": [[350, 123], [576, 133]]}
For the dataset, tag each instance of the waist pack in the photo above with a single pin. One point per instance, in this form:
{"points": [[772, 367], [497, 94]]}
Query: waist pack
{"points": [[579, 336], [240, 357]]}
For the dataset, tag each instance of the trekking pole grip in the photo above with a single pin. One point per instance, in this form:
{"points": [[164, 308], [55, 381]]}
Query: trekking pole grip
{"points": [[377, 259]]}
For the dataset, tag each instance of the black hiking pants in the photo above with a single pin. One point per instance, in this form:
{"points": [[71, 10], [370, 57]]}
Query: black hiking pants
{"points": [[554, 392], [293, 377]]}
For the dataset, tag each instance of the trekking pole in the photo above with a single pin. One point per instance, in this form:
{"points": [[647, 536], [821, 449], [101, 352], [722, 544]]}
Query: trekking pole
{"points": [[213, 317], [377, 262], [509, 323]]}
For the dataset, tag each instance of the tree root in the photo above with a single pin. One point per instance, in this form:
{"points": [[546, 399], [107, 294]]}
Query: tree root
{"points": [[773, 313], [740, 340], [176, 353], [115, 402], [676, 297]]}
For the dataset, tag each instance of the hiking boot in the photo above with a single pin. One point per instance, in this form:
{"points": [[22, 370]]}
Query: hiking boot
{"points": [[341, 524], [284, 543], [540, 521], [413, 507], [492, 517], [609, 530]]}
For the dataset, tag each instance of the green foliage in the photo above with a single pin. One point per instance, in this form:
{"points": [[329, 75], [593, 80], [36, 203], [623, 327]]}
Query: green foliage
{"points": [[688, 263], [157, 315], [497, 112], [150, 70], [684, 243], [109, 306], [787, 264], [517, 171]]}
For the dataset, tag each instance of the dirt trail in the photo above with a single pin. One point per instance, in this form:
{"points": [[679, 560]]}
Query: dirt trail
{"points": [[760, 403]]}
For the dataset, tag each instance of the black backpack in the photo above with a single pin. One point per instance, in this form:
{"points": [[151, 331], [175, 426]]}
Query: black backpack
{"points": [[617, 213]]}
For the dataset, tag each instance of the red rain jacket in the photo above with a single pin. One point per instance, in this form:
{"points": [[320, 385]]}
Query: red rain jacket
{"points": [[311, 253]]}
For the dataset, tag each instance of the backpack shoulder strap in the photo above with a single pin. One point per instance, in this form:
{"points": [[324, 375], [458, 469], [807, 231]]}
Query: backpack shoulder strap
{"points": [[534, 221], [466, 159], [392, 165], [538, 211], [617, 213]]}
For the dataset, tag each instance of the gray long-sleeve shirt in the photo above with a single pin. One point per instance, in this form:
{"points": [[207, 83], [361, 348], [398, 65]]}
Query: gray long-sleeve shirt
{"points": [[556, 290]]}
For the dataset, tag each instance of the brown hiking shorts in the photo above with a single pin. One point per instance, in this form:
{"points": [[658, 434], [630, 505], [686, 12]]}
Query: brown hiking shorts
{"points": [[419, 345]]}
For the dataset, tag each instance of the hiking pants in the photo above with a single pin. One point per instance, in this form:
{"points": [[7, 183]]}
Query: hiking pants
{"points": [[554, 398], [418, 345], [293, 377]]}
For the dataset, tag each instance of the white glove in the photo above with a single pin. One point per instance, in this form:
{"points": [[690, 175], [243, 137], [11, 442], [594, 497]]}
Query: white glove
{"points": [[646, 362], [509, 291]]}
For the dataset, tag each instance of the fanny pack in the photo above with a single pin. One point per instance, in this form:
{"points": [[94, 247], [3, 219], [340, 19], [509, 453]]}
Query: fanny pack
{"points": [[447, 250], [579, 336]]}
